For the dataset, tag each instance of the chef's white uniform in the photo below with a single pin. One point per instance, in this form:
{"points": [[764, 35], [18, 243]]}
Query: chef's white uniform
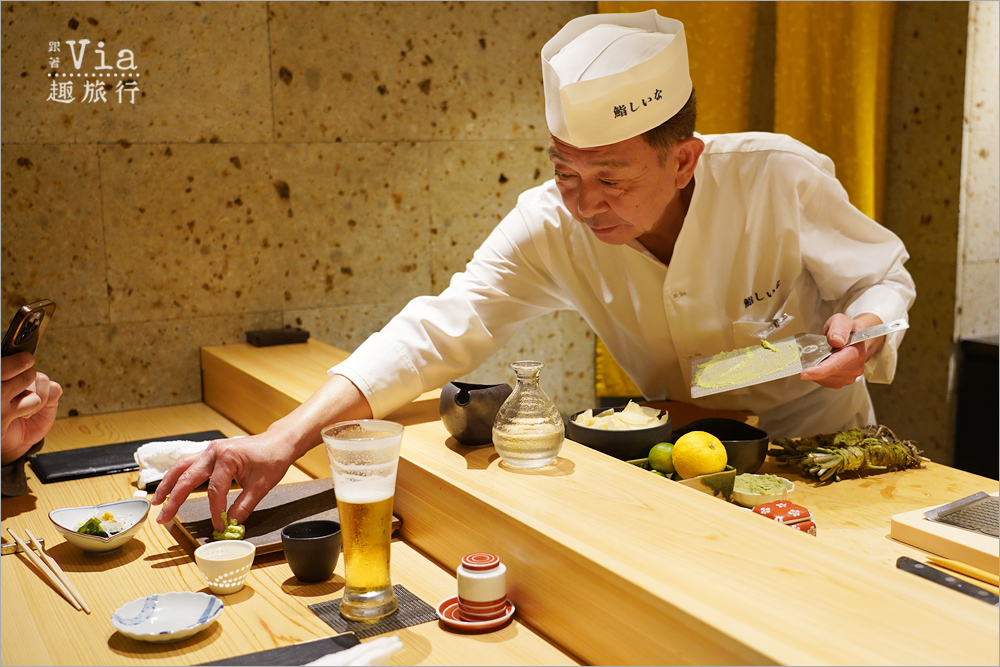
{"points": [[769, 232]]}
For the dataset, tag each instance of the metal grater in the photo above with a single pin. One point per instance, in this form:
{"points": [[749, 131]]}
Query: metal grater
{"points": [[768, 361], [978, 513]]}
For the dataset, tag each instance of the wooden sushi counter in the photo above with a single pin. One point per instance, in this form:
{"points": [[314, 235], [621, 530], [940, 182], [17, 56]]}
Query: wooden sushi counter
{"points": [[606, 563]]}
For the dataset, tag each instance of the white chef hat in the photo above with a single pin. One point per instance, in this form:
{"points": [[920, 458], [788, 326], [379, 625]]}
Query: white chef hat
{"points": [[611, 77]]}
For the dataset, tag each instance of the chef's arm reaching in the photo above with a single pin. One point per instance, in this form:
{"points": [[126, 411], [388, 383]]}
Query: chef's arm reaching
{"points": [[258, 462], [846, 364]]}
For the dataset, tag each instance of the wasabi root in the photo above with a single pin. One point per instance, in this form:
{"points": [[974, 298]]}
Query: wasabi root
{"points": [[827, 455], [233, 530]]}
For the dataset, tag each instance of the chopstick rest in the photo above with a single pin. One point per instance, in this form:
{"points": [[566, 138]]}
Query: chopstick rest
{"points": [[45, 570], [57, 570], [12, 548]]}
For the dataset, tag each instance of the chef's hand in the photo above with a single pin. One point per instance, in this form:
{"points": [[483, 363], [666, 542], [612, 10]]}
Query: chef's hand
{"points": [[30, 401], [846, 364], [257, 463]]}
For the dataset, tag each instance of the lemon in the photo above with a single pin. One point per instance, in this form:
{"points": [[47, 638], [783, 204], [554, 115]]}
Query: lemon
{"points": [[660, 457], [698, 453]]}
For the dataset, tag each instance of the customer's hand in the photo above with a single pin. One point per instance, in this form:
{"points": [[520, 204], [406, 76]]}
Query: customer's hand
{"points": [[30, 400]]}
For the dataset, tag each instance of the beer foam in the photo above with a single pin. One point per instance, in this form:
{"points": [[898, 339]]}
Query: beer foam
{"points": [[360, 494]]}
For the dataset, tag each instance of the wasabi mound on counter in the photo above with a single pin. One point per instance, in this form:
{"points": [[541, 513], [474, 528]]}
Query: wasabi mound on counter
{"points": [[633, 416], [233, 530]]}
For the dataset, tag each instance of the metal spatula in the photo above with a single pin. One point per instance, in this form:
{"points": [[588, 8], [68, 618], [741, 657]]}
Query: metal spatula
{"points": [[771, 361]]}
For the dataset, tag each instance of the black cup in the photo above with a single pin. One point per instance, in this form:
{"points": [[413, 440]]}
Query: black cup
{"points": [[312, 549]]}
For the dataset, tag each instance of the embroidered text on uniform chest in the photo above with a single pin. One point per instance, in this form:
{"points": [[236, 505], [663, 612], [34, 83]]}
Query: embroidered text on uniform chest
{"points": [[761, 296]]}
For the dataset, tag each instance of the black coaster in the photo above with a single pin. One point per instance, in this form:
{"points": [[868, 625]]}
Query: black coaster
{"points": [[412, 611]]}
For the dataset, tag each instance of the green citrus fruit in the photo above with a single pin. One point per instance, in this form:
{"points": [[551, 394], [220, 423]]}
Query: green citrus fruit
{"points": [[661, 457]]}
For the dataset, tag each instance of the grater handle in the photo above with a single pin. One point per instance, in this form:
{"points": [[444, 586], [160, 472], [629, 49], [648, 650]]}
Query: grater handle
{"points": [[877, 330]]}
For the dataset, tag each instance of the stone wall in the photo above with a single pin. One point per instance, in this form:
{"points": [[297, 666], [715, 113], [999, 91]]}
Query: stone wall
{"points": [[288, 163]]}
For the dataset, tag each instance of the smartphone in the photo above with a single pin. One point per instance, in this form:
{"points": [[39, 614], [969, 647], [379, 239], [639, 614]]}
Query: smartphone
{"points": [[26, 327]]}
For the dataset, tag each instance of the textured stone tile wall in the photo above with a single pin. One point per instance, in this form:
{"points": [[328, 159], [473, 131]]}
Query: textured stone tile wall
{"points": [[287, 163], [979, 313], [923, 179]]}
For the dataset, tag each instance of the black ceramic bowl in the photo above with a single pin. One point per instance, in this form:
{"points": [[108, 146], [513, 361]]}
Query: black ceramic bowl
{"points": [[312, 548], [746, 446], [624, 445]]}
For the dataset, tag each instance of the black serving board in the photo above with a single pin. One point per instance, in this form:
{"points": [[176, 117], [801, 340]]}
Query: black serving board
{"points": [[297, 654], [284, 504], [101, 459]]}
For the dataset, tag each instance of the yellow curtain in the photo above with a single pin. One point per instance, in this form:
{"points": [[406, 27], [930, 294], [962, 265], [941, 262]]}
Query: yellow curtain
{"points": [[831, 86]]}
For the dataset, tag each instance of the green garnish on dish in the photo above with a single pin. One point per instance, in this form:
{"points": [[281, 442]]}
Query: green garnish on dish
{"points": [[105, 525]]}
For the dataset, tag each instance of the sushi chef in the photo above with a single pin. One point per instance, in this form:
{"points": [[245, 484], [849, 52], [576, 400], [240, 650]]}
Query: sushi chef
{"points": [[672, 245]]}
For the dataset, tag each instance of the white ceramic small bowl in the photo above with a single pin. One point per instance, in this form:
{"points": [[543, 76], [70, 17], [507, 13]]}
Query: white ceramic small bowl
{"points": [[166, 617], [751, 500], [225, 564], [132, 512]]}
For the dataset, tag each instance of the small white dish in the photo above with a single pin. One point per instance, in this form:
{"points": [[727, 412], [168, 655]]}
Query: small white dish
{"points": [[751, 500], [132, 512], [166, 617], [447, 611]]}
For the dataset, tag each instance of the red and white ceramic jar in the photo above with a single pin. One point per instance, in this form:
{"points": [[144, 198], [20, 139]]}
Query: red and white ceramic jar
{"points": [[482, 587]]}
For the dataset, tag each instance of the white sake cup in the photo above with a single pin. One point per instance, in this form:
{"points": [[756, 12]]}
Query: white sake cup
{"points": [[225, 564]]}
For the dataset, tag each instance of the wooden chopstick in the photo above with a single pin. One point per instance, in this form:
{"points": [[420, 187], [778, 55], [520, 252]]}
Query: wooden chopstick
{"points": [[57, 570], [44, 569], [967, 570]]}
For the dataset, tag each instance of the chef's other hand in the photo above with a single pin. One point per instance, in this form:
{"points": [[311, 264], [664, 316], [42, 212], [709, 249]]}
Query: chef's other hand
{"points": [[846, 364], [257, 463], [30, 401]]}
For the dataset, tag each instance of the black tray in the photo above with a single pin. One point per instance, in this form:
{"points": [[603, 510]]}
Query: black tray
{"points": [[102, 459]]}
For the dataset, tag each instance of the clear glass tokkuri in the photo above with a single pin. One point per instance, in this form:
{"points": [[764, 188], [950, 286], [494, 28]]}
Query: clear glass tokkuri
{"points": [[528, 431], [364, 457]]}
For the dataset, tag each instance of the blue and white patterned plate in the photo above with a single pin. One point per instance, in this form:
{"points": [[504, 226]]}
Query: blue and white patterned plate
{"points": [[167, 617]]}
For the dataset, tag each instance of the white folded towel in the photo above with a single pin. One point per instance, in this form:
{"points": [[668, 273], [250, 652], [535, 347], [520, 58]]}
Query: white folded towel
{"points": [[155, 458], [376, 652]]}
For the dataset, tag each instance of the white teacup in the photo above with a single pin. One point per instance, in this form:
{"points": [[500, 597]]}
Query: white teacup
{"points": [[225, 564]]}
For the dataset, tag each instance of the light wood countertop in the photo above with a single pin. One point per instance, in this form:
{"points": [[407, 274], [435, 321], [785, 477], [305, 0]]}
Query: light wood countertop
{"points": [[622, 567], [41, 628]]}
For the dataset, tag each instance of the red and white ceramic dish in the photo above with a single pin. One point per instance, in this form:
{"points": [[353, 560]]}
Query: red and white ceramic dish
{"points": [[447, 611], [790, 514]]}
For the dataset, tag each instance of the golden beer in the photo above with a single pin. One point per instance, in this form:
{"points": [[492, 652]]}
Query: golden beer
{"points": [[363, 459], [366, 529]]}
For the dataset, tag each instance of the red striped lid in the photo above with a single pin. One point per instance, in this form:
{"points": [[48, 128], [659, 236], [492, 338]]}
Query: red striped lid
{"points": [[480, 561]]}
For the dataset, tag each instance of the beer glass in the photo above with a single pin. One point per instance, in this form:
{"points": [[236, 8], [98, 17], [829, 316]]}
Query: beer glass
{"points": [[363, 458]]}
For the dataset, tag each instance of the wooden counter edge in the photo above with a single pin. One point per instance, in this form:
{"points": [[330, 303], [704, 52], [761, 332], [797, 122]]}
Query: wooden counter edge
{"points": [[744, 654]]}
